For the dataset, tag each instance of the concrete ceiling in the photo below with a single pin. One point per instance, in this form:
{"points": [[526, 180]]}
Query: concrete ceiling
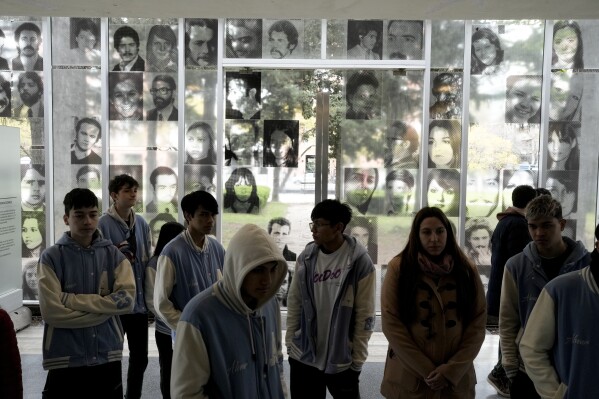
{"points": [[330, 9]]}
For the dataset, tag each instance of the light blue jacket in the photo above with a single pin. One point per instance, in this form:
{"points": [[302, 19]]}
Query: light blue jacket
{"points": [[81, 293], [114, 228]]}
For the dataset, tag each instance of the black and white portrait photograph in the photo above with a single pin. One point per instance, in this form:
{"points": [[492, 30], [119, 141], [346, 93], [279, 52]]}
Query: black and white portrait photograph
{"points": [[487, 53], [283, 39], [523, 99], [126, 96], [83, 44], [482, 192], [163, 191], [33, 188], [126, 45], [87, 144], [243, 38], [28, 39], [404, 39], [5, 96], [201, 42], [281, 143], [28, 95], [565, 97], [444, 142], [243, 95], [200, 177], [365, 230], [446, 95], [161, 49], [402, 146], [362, 94], [443, 190], [4, 48], [162, 97], [567, 49], [563, 148], [200, 144], [241, 192], [30, 282], [364, 39], [563, 186], [33, 234], [240, 140], [514, 178], [88, 176], [359, 187], [400, 192]]}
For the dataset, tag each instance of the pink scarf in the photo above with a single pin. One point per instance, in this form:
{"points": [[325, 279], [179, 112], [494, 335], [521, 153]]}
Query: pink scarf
{"points": [[437, 270]]}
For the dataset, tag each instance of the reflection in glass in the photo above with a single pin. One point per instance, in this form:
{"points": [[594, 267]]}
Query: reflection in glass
{"points": [[404, 40], [523, 99], [564, 153], [360, 184], [444, 141], [243, 95], [362, 95], [444, 190], [399, 192], [447, 94], [567, 45], [482, 192], [241, 192], [402, 146], [447, 44], [241, 137], [563, 186], [487, 54]]}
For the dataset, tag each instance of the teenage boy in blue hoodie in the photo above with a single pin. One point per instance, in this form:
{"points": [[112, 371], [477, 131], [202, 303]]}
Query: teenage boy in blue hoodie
{"points": [[559, 344], [548, 255], [131, 234], [229, 342], [85, 283], [330, 308]]}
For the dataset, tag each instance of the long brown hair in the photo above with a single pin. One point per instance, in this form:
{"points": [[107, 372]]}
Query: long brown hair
{"points": [[411, 273]]}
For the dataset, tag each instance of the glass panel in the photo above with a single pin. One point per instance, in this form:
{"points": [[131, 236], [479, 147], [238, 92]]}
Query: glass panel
{"points": [[447, 44], [336, 39]]}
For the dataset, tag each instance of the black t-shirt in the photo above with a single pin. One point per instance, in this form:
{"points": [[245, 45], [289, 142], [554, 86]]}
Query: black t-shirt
{"points": [[552, 266]]}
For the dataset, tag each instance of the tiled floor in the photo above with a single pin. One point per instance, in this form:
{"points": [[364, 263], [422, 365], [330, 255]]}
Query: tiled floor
{"points": [[34, 376]]}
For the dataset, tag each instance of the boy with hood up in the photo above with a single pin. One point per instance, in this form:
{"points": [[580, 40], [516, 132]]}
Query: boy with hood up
{"points": [[228, 341]]}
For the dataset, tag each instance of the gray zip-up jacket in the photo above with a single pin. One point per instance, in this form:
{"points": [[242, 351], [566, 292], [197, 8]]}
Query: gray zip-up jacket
{"points": [[352, 319]]}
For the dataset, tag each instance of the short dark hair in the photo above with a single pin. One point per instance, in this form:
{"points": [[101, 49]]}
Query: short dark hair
{"points": [[120, 181], [522, 195], [192, 201], [542, 191], [79, 198], [33, 76], [86, 24], [87, 169], [159, 171], [125, 31], [168, 232], [27, 26], [89, 121], [168, 79], [280, 221], [333, 211], [597, 232], [288, 29]]}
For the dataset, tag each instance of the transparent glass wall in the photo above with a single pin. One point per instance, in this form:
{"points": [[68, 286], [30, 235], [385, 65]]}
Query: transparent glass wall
{"points": [[160, 103]]}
